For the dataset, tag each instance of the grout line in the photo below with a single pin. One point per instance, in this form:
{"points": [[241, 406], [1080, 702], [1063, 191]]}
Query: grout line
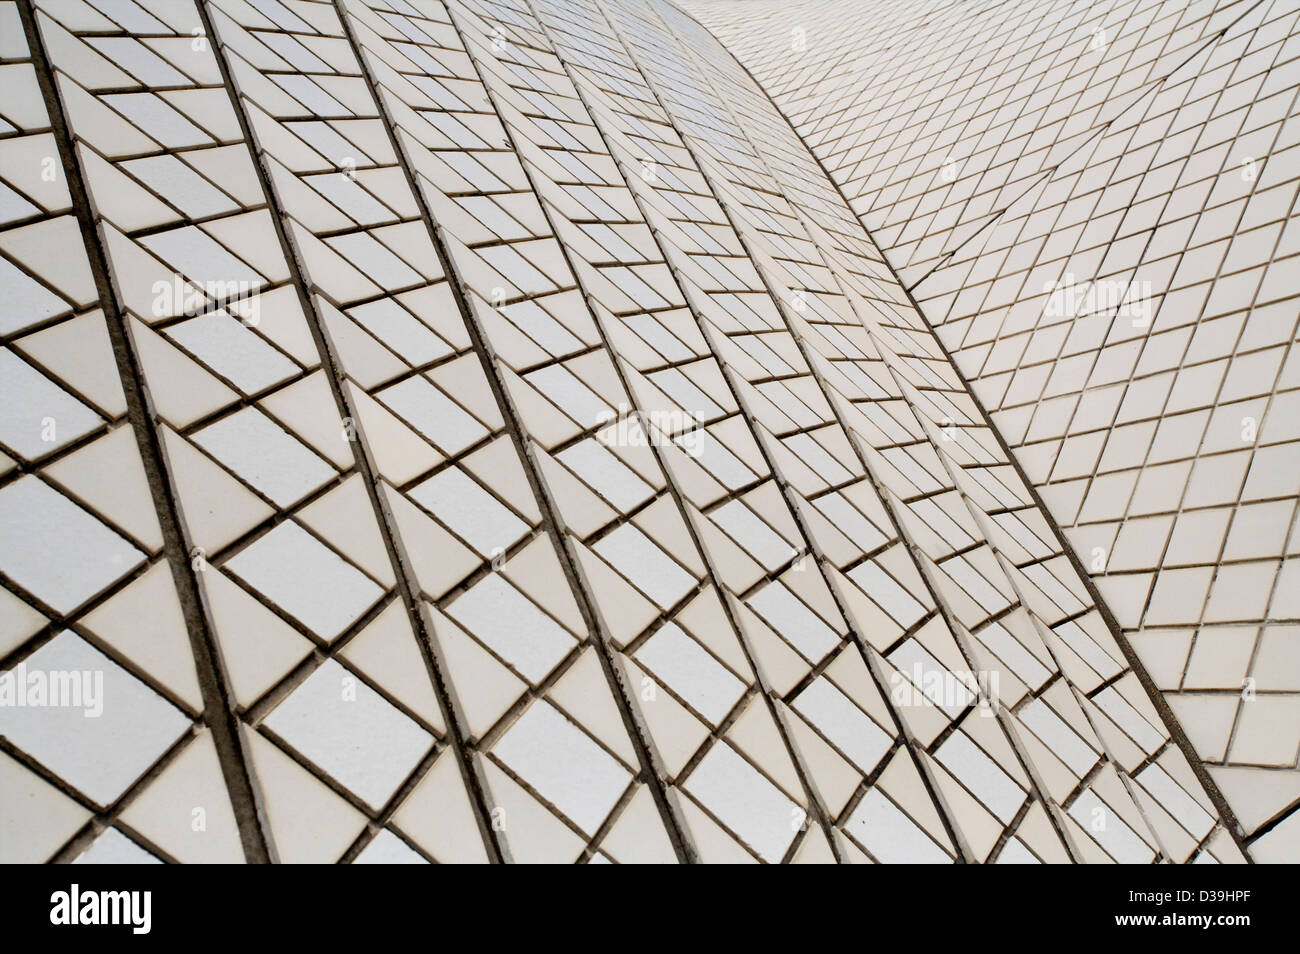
{"points": [[942, 606], [218, 704], [406, 584], [814, 550], [725, 594], [652, 769], [1135, 665], [1212, 791]]}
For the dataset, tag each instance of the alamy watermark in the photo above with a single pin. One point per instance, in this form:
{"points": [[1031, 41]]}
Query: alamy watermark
{"points": [[75, 906], [178, 296], [23, 688], [947, 689], [1067, 298], [630, 427]]}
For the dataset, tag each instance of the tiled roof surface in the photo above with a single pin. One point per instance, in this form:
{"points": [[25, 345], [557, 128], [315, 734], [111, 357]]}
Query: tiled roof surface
{"points": [[484, 431]]}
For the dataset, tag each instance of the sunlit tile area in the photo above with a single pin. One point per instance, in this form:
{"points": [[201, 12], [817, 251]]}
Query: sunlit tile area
{"points": [[1093, 206], [459, 431]]}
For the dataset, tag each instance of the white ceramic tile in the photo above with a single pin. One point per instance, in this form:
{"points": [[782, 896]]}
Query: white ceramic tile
{"points": [[306, 579], [351, 732]]}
